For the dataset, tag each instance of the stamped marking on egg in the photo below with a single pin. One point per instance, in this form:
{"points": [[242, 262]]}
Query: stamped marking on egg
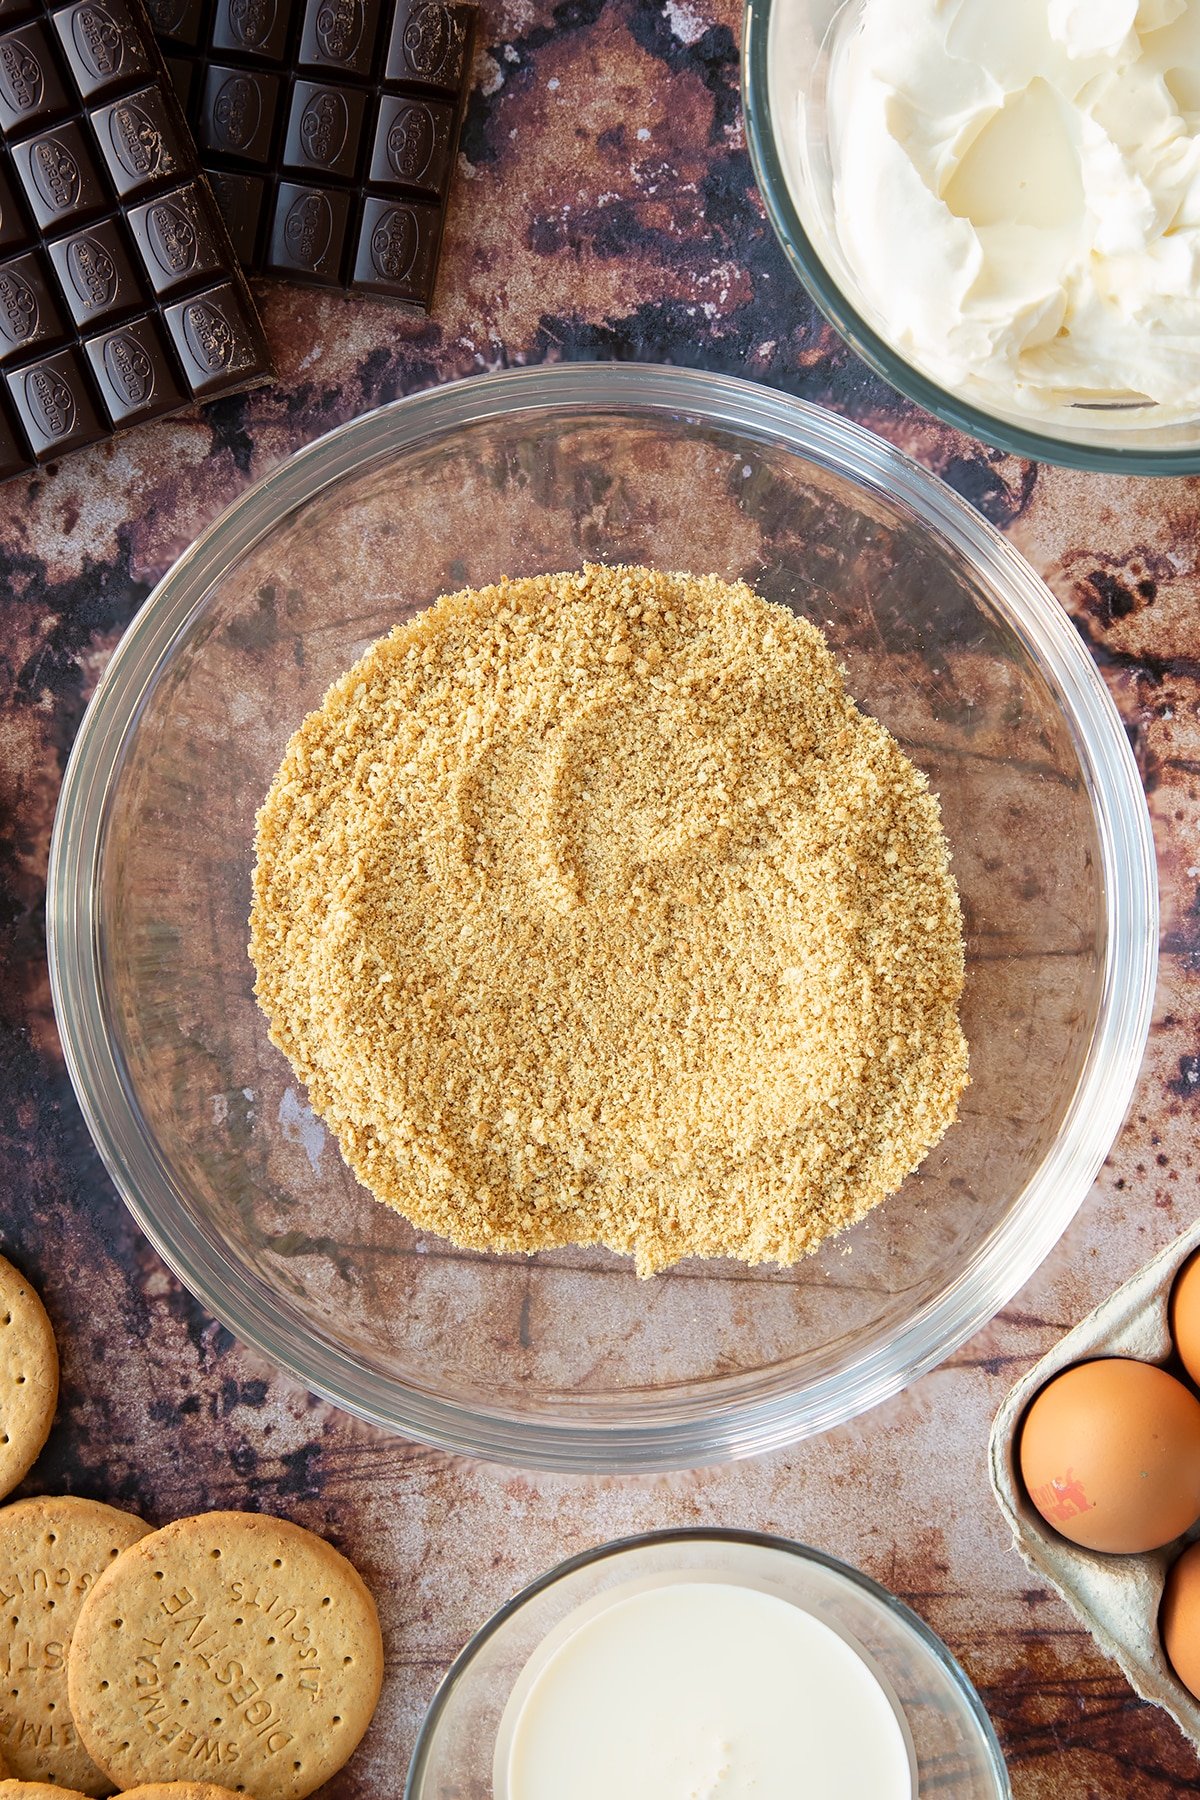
{"points": [[1062, 1499]]}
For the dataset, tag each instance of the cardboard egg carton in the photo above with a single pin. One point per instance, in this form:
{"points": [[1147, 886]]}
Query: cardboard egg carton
{"points": [[1117, 1597]]}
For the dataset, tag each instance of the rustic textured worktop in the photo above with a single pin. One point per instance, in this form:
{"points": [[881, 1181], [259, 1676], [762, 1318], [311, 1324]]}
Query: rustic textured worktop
{"points": [[606, 208]]}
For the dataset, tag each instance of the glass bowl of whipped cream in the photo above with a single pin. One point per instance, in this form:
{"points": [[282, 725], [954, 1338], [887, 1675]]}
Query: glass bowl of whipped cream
{"points": [[998, 207], [705, 1662]]}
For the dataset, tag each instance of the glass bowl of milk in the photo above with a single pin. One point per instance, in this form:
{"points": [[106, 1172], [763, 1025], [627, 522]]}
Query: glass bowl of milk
{"points": [[706, 1665], [998, 207]]}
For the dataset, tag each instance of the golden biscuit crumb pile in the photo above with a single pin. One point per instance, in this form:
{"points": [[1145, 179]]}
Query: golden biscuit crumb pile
{"points": [[592, 911]]}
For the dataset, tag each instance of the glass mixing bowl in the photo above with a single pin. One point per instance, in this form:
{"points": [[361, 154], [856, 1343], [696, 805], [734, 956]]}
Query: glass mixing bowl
{"points": [[568, 1360], [952, 1743], [785, 89]]}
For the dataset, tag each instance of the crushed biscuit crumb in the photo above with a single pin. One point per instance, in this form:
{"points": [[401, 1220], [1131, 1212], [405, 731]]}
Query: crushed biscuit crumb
{"points": [[591, 910]]}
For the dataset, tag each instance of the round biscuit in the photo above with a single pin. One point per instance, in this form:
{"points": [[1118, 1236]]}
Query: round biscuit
{"points": [[51, 1552], [28, 1376], [232, 1646]]}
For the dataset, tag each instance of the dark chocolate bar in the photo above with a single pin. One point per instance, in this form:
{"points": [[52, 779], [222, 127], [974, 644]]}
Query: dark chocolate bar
{"points": [[328, 129], [120, 294]]}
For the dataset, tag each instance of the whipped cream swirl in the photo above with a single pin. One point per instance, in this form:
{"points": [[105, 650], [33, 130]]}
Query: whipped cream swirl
{"points": [[1017, 192]]}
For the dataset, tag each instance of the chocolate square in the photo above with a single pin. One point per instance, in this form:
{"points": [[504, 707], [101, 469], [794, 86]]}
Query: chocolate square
{"points": [[251, 27], [340, 34], [309, 231], [104, 46], [397, 249], [54, 403], [134, 371], [237, 118], [428, 45], [96, 274], [29, 315], [413, 144], [59, 176], [216, 338], [324, 129], [177, 238], [31, 88], [141, 141], [241, 201]]}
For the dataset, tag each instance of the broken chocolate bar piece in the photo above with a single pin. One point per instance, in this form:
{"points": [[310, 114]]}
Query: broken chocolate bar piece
{"points": [[110, 242], [329, 130]]}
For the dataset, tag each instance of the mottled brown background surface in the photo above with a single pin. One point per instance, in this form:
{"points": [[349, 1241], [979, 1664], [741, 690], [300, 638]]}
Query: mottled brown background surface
{"points": [[606, 209]]}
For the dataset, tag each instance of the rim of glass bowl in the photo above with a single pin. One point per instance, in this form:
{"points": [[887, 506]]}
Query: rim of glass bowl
{"points": [[611, 1434], [807, 263], [711, 1534]]}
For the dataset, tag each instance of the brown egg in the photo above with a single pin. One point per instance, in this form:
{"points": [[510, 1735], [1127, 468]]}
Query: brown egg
{"points": [[1110, 1455], [1179, 1619], [1185, 1316]]}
